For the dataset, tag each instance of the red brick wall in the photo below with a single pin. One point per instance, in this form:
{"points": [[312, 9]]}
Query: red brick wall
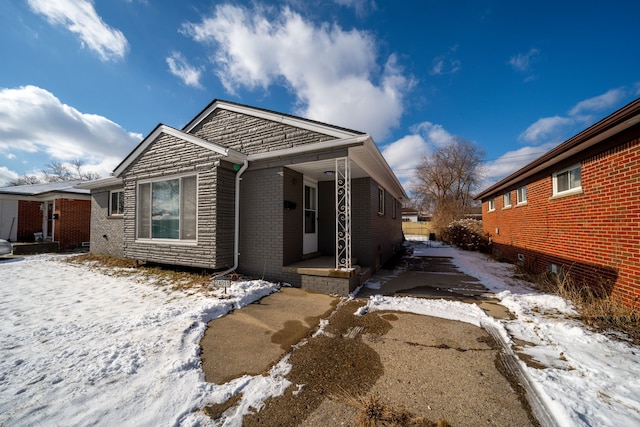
{"points": [[29, 220], [73, 224], [594, 235]]}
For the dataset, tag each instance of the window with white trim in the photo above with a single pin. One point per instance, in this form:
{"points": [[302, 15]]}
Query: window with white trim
{"points": [[116, 203], [507, 200], [491, 205], [167, 209], [568, 181], [380, 200], [521, 195]]}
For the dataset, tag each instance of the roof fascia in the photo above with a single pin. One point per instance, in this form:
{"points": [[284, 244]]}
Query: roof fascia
{"points": [[160, 129], [383, 172], [335, 143], [272, 116], [100, 183], [604, 129]]}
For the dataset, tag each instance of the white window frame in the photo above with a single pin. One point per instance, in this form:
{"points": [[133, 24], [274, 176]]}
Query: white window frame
{"points": [[521, 195], [570, 190], [119, 211], [381, 197], [506, 200], [491, 204], [181, 239]]}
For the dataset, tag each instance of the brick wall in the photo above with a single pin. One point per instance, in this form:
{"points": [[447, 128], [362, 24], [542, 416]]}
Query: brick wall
{"points": [[73, 225], [594, 235], [29, 220]]}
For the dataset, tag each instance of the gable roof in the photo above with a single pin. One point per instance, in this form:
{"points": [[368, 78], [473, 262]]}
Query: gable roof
{"points": [[287, 119], [46, 190], [621, 120], [168, 130]]}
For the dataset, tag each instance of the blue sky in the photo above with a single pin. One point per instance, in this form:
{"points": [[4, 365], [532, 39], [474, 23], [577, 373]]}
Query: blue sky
{"points": [[87, 80]]}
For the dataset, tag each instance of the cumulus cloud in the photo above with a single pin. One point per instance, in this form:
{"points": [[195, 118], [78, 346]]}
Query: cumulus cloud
{"points": [[180, 67], [405, 154], [598, 103], [62, 132], [81, 18], [511, 161], [334, 74], [584, 113]]}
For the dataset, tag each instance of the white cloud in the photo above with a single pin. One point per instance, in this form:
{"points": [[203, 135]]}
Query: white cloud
{"points": [[546, 127], [361, 7], [333, 73], [33, 120], [446, 64], [522, 62], [180, 67], [605, 101], [6, 175], [405, 154], [511, 161], [81, 18]]}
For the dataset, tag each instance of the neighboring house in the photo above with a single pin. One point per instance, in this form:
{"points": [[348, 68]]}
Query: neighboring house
{"points": [[254, 191], [52, 212], [576, 209]]}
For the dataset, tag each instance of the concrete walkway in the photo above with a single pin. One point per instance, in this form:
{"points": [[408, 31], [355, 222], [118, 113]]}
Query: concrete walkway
{"points": [[436, 368]]}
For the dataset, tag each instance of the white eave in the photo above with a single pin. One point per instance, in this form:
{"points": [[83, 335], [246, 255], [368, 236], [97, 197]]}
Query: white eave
{"points": [[362, 151], [100, 183], [231, 154]]}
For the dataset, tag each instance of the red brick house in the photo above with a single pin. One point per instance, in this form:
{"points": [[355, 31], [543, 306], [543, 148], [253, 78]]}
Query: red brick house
{"points": [[576, 209], [57, 210]]}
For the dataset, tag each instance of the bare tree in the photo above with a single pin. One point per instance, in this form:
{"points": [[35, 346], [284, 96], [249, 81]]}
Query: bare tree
{"points": [[446, 180], [24, 180], [56, 172]]}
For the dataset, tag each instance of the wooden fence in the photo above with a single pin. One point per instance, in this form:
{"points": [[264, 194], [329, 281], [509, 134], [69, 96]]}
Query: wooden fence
{"points": [[416, 228]]}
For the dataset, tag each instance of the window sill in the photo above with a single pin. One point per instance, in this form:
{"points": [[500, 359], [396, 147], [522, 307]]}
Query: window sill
{"points": [[506, 208], [567, 193], [521, 204], [115, 216], [168, 242]]}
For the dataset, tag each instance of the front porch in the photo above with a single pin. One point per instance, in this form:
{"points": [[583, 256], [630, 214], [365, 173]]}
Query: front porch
{"points": [[320, 274]]}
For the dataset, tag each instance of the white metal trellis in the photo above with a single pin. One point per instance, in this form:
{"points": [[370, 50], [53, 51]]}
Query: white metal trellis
{"points": [[343, 213]]}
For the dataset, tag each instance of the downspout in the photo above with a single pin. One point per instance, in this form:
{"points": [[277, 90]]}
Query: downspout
{"points": [[236, 238]]}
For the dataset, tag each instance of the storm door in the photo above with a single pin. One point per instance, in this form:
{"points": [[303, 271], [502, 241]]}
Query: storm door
{"points": [[310, 240]]}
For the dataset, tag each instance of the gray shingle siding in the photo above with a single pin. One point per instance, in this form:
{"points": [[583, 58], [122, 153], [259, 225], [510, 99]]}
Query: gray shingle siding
{"points": [[253, 135], [166, 157]]}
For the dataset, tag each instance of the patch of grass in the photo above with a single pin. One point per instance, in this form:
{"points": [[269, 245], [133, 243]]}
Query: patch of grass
{"points": [[372, 412], [595, 304], [169, 276]]}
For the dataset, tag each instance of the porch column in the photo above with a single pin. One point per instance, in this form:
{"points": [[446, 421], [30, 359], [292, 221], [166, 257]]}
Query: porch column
{"points": [[343, 213]]}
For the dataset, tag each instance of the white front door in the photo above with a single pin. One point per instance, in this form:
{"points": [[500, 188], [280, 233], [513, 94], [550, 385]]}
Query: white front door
{"points": [[310, 240]]}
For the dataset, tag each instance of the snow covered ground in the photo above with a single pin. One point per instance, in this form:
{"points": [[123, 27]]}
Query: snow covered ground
{"points": [[79, 347]]}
